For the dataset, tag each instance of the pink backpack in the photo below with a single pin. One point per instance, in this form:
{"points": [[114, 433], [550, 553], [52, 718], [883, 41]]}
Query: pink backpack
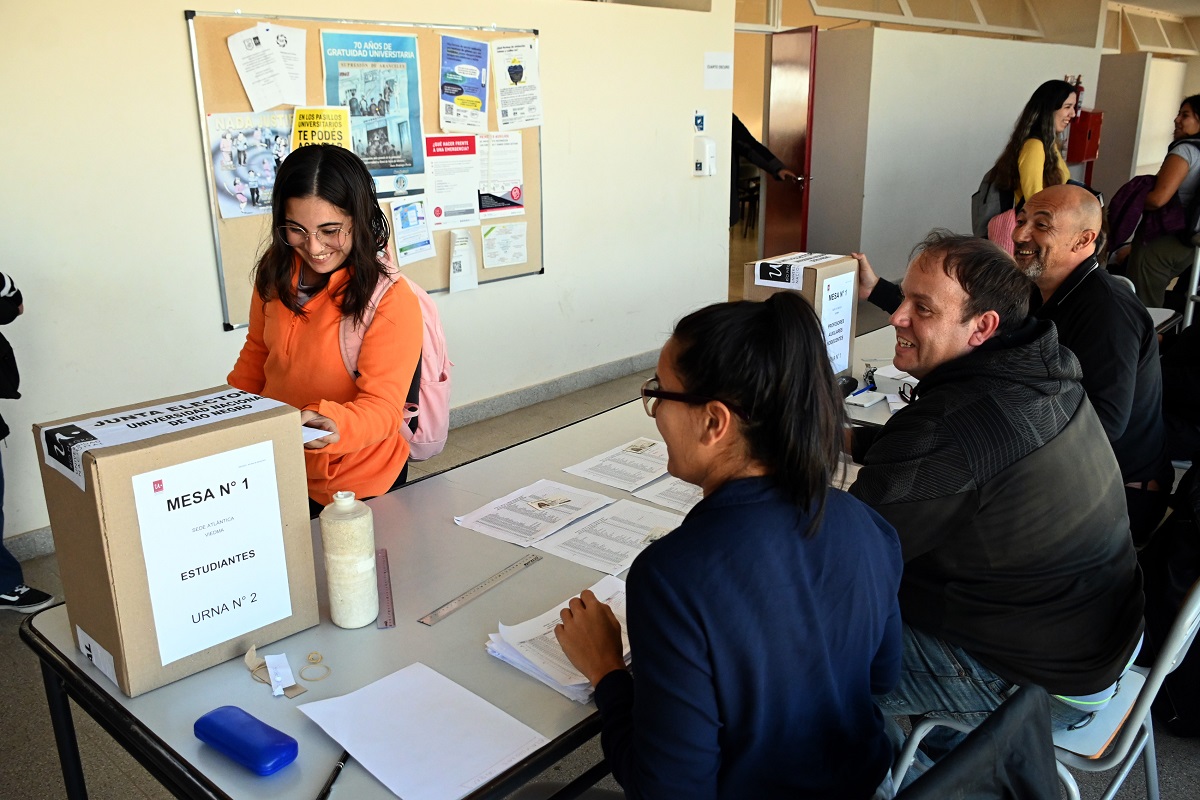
{"points": [[433, 407]]}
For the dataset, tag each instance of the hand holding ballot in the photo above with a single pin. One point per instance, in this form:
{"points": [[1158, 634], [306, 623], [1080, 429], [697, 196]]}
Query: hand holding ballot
{"points": [[590, 636], [312, 419]]}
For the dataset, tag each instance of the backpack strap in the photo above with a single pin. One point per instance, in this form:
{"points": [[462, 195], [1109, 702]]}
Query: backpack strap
{"points": [[350, 335]]}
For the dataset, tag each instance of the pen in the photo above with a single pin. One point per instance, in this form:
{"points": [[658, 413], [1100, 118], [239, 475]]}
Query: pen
{"points": [[864, 389], [333, 776]]}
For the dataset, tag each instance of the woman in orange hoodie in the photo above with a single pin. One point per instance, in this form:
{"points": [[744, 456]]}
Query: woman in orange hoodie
{"points": [[328, 249]]}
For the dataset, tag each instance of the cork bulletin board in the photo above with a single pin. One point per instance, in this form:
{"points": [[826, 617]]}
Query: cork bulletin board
{"points": [[240, 208]]}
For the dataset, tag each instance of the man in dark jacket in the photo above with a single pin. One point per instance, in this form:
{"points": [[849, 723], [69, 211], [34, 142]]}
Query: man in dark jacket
{"points": [[14, 594], [1109, 331], [1019, 568], [1102, 323]]}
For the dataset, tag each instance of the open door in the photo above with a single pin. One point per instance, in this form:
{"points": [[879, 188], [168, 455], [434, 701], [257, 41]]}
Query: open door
{"points": [[787, 120]]}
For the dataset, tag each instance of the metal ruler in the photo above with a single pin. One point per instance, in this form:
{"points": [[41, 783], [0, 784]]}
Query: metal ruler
{"points": [[383, 577], [446, 610]]}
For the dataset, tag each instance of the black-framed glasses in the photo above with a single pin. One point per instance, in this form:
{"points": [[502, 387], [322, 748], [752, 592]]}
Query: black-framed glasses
{"points": [[652, 394], [329, 235], [907, 392]]}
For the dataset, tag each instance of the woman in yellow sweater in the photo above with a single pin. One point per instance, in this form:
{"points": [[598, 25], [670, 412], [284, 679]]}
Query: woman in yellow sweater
{"points": [[327, 251], [1031, 161]]}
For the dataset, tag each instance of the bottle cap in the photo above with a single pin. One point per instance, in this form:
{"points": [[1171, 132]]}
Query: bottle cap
{"points": [[343, 499]]}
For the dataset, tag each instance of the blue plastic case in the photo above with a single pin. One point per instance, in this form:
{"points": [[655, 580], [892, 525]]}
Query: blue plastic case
{"points": [[246, 739]]}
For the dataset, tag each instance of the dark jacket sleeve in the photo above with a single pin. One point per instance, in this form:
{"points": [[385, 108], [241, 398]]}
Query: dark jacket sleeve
{"points": [[1109, 350], [749, 148], [661, 728], [886, 295]]}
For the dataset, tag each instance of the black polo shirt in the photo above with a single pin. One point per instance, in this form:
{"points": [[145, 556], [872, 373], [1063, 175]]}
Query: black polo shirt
{"points": [[1112, 335]]}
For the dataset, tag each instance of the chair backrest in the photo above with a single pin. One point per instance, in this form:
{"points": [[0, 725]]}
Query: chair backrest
{"points": [[1172, 651]]}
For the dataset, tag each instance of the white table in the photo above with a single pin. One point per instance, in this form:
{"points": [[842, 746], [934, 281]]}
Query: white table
{"points": [[431, 561], [874, 349]]}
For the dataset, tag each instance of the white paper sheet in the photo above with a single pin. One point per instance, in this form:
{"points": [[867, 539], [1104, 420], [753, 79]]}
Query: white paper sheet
{"points": [[290, 42], [718, 71], [212, 539], [532, 513], [837, 308], [501, 175], [518, 83], [414, 240], [260, 67], [609, 540], [534, 639], [452, 181], [464, 266], [434, 741], [630, 466], [672, 493], [504, 245]]}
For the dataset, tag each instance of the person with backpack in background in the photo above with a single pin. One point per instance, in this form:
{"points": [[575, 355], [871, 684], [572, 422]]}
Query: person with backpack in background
{"points": [[1153, 262], [1030, 162], [14, 594], [323, 271]]}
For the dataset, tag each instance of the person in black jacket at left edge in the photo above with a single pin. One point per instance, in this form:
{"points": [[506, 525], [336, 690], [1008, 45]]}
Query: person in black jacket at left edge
{"points": [[749, 148], [14, 594]]}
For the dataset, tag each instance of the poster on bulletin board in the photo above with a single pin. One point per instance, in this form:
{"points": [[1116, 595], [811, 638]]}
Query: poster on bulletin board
{"points": [[268, 85]]}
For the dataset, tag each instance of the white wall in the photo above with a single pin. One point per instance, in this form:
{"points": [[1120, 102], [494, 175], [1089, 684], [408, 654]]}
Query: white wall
{"points": [[939, 111], [841, 96], [106, 192], [1123, 79], [1164, 91]]}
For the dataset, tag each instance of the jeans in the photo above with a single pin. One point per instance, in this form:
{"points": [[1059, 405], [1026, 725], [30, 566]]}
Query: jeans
{"points": [[939, 680], [10, 568]]}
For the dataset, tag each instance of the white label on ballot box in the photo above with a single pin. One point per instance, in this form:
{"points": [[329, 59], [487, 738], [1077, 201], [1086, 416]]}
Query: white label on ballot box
{"points": [[837, 306], [213, 541], [64, 445], [788, 270]]}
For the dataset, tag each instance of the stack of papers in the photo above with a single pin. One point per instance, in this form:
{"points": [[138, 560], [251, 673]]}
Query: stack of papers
{"points": [[532, 647]]}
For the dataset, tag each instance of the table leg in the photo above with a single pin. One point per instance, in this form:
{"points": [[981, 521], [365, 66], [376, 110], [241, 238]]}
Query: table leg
{"points": [[581, 784], [64, 734]]}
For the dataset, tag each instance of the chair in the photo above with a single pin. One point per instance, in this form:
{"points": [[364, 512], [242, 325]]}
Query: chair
{"points": [[1123, 730], [1192, 298], [1008, 757]]}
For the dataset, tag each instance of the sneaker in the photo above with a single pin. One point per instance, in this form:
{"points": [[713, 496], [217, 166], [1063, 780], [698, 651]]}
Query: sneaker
{"points": [[24, 599]]}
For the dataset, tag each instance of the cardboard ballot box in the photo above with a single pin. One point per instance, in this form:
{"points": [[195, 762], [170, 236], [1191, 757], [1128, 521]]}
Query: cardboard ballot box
{"points": [[182, 533], [828, 282]]}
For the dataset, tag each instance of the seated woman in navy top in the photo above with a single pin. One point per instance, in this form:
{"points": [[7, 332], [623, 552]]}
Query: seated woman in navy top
{"points": [[760, 628]]}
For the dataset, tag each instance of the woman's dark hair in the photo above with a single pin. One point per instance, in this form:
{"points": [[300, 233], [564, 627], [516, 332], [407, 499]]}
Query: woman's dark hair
{"points": [[769, 359], [1192, 102], [1035, 122], [340, 178]]}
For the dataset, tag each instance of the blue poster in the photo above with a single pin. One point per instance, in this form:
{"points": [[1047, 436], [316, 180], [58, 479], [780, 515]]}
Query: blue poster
{"points": [[377, 77], [462, 89]]}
